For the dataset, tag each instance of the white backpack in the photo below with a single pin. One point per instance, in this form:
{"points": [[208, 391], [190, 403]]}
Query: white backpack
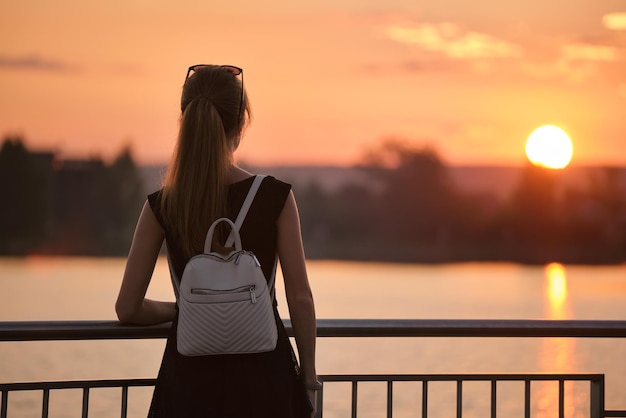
{"points": [[225, 304]]}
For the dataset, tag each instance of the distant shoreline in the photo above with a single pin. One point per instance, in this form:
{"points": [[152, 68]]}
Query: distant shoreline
{"points": [[356, 260], [498, 181]]}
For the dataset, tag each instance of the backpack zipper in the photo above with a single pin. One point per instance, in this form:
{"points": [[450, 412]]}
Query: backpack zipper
{"points": [[201, 291]]}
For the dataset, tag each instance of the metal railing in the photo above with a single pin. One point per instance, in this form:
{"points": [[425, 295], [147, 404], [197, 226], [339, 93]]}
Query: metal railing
{"points": [[103, 330], [84, 385], [596, 385]]}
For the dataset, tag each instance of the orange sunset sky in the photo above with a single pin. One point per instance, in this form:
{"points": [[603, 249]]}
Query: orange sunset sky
{"points": [[328, 79]]}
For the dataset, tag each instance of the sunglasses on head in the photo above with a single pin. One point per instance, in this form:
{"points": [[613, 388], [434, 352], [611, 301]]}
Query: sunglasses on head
{"points": [[231, 68]]}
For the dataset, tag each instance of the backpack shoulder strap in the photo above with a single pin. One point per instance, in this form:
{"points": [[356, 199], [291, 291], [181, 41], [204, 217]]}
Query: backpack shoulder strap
{"points": [[245, 207], [173, 275]]}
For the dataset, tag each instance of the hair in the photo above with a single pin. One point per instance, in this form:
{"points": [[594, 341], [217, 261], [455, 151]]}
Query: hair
{"points": [[211, 124]]}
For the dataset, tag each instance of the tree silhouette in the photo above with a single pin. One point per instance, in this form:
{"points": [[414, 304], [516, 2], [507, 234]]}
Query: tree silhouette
{"points": [[66, 207], [123, 190], [418, 205], [24, 185]]}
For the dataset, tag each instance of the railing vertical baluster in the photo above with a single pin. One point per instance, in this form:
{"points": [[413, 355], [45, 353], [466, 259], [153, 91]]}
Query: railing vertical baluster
{"points": [[527, 398], [124, 401], [596, 401], [389, 398], [320, 402], [354, 398], [561, 398], [85, 402], [459, 398], [4, 405], [425, 399], [494, 398], [45, 402]]}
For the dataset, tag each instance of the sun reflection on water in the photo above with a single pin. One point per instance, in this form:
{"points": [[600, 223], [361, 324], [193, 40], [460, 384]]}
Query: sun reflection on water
{"points": [[557, 290], [557, 355]]}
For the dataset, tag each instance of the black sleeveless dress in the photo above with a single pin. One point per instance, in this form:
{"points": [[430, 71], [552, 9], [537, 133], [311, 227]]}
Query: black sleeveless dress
{"points": [[238, 385]]}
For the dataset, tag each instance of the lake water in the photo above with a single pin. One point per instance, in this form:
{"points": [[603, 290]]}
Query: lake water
{"points": [[85, 288]]}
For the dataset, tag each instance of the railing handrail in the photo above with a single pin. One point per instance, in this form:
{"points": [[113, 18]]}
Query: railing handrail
{"points": [[114, 330]]}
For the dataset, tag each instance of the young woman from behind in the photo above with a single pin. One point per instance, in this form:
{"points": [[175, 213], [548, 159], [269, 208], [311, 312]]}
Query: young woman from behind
{"points": [[203, 184]]}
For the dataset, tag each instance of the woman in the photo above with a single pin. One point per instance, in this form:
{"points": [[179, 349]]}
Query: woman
{"points": [[203, 184]]}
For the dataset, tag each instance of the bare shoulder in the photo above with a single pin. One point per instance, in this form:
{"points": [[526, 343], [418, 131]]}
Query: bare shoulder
{"points": [[289, 218]]}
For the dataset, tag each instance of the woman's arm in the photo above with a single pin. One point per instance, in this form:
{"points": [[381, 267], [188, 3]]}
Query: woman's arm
{"points": [[132, 305], [298, 291]]}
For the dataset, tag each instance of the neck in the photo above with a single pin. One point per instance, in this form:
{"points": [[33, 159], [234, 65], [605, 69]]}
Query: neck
{"points": [[238, 174]]}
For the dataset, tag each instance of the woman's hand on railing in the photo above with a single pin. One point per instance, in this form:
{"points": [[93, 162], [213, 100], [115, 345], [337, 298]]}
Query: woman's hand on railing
{"points": [[151, 312]]}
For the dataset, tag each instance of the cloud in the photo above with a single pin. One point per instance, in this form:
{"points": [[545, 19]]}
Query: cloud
{"points": [[33, 63], [589, 52], [414, 65], [615, 21], [448, 39], [577, 61], [561, 69]]}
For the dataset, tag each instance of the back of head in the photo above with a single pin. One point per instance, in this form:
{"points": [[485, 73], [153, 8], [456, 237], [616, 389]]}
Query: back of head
{"points": [[214, 112], [218, 86]]}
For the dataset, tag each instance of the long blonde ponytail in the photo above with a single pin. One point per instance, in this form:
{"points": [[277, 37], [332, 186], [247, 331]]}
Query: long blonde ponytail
{"points": [[196, 183]]}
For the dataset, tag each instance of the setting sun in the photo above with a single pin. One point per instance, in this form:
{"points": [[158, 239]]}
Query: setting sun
{"points": [[549, 146]]}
